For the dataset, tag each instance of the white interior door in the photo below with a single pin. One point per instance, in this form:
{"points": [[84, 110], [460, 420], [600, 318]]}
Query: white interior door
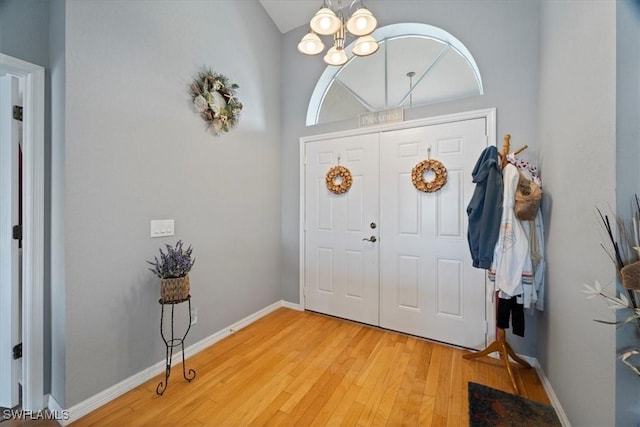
{"points": [[341, 268], [428, 286], [32, 88], [9, 264]]}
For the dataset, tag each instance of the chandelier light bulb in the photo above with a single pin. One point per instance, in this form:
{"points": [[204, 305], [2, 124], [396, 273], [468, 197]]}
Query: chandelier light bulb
{"points": [[336, 56], [365, 45], [325, 22], [362, 22], [311, 44]]}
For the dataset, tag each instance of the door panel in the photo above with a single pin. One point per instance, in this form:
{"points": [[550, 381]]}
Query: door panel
{"points": [[341, 269], [418, 277], [428, 286], [9, 263]]}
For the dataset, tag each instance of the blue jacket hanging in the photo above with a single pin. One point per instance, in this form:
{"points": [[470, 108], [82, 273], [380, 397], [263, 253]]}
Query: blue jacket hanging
{"points": [[485, 208]]}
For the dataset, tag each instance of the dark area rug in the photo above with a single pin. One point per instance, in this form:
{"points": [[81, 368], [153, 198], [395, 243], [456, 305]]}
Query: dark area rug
{"points": [[491, 407]]}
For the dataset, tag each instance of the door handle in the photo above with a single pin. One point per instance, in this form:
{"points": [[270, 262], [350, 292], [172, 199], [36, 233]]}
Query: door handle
{"points": [[371, 239]]}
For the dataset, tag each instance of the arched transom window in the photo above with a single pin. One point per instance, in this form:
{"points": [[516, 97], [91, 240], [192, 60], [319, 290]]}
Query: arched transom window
{"points": [[417, 64]]}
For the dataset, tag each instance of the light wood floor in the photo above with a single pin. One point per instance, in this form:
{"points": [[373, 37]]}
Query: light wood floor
{"points": [[300, 368]]}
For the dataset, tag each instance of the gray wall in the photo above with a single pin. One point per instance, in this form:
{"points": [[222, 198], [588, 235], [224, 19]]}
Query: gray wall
{"points": [[627, 181], [578, 147], [24, 30], [56, 219], [135, 150], [504, 42]]}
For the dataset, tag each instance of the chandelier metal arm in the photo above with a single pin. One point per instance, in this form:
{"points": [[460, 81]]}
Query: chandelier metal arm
{"points": [[339, 8], [354, 2]]}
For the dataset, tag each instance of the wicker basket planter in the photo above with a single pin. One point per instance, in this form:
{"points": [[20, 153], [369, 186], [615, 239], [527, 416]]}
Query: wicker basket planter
{"points": [[174, 289]]}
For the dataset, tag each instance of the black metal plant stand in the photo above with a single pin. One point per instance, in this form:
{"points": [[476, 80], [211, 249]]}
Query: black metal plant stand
{"points": [[173, 342]]}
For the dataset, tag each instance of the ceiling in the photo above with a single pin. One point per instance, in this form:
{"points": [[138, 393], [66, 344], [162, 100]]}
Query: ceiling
{"points": [[290, 14], [382, 81]]}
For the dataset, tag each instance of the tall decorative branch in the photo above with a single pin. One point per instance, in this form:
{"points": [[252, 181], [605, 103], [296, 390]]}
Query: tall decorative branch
{"points": [[617, 255], [628, 267]]}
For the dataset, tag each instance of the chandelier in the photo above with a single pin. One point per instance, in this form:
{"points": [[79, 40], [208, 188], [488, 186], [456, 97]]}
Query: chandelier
{"points": [[330, 22]]}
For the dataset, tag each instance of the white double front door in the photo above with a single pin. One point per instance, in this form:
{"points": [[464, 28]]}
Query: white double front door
{"points": [[386, 254]]}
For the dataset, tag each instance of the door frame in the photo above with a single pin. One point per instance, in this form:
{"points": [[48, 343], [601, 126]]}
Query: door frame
{"points": [[33, 101], [488, 114]]}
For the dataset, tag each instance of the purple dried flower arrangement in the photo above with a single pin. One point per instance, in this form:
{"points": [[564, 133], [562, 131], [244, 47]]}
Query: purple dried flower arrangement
{"points": [[176, 262]]}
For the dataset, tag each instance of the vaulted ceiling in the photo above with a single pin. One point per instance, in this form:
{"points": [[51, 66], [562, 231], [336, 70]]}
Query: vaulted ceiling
{"points": [[290, 14]]}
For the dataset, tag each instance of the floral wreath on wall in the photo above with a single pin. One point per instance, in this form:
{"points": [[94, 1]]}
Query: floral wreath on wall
{"points": [[214, 97]]}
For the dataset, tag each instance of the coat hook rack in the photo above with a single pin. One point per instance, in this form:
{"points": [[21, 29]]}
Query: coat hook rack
{"points": [[520, 150], [501, 345], [504, 350], [506, 146]]}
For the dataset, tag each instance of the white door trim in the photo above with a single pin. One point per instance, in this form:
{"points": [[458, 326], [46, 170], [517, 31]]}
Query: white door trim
{"points": [[33, 236], [489, 114], [10, 131]]}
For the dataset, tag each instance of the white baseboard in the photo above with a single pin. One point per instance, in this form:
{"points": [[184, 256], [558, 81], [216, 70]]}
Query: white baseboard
{"points": [[91, 404], [52, 404], [292, 306], [61, 415], [562, 416], [530, 360]]}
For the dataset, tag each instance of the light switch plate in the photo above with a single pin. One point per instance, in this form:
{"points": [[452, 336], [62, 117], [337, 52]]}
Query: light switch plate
{"points": [[162, 228]]}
